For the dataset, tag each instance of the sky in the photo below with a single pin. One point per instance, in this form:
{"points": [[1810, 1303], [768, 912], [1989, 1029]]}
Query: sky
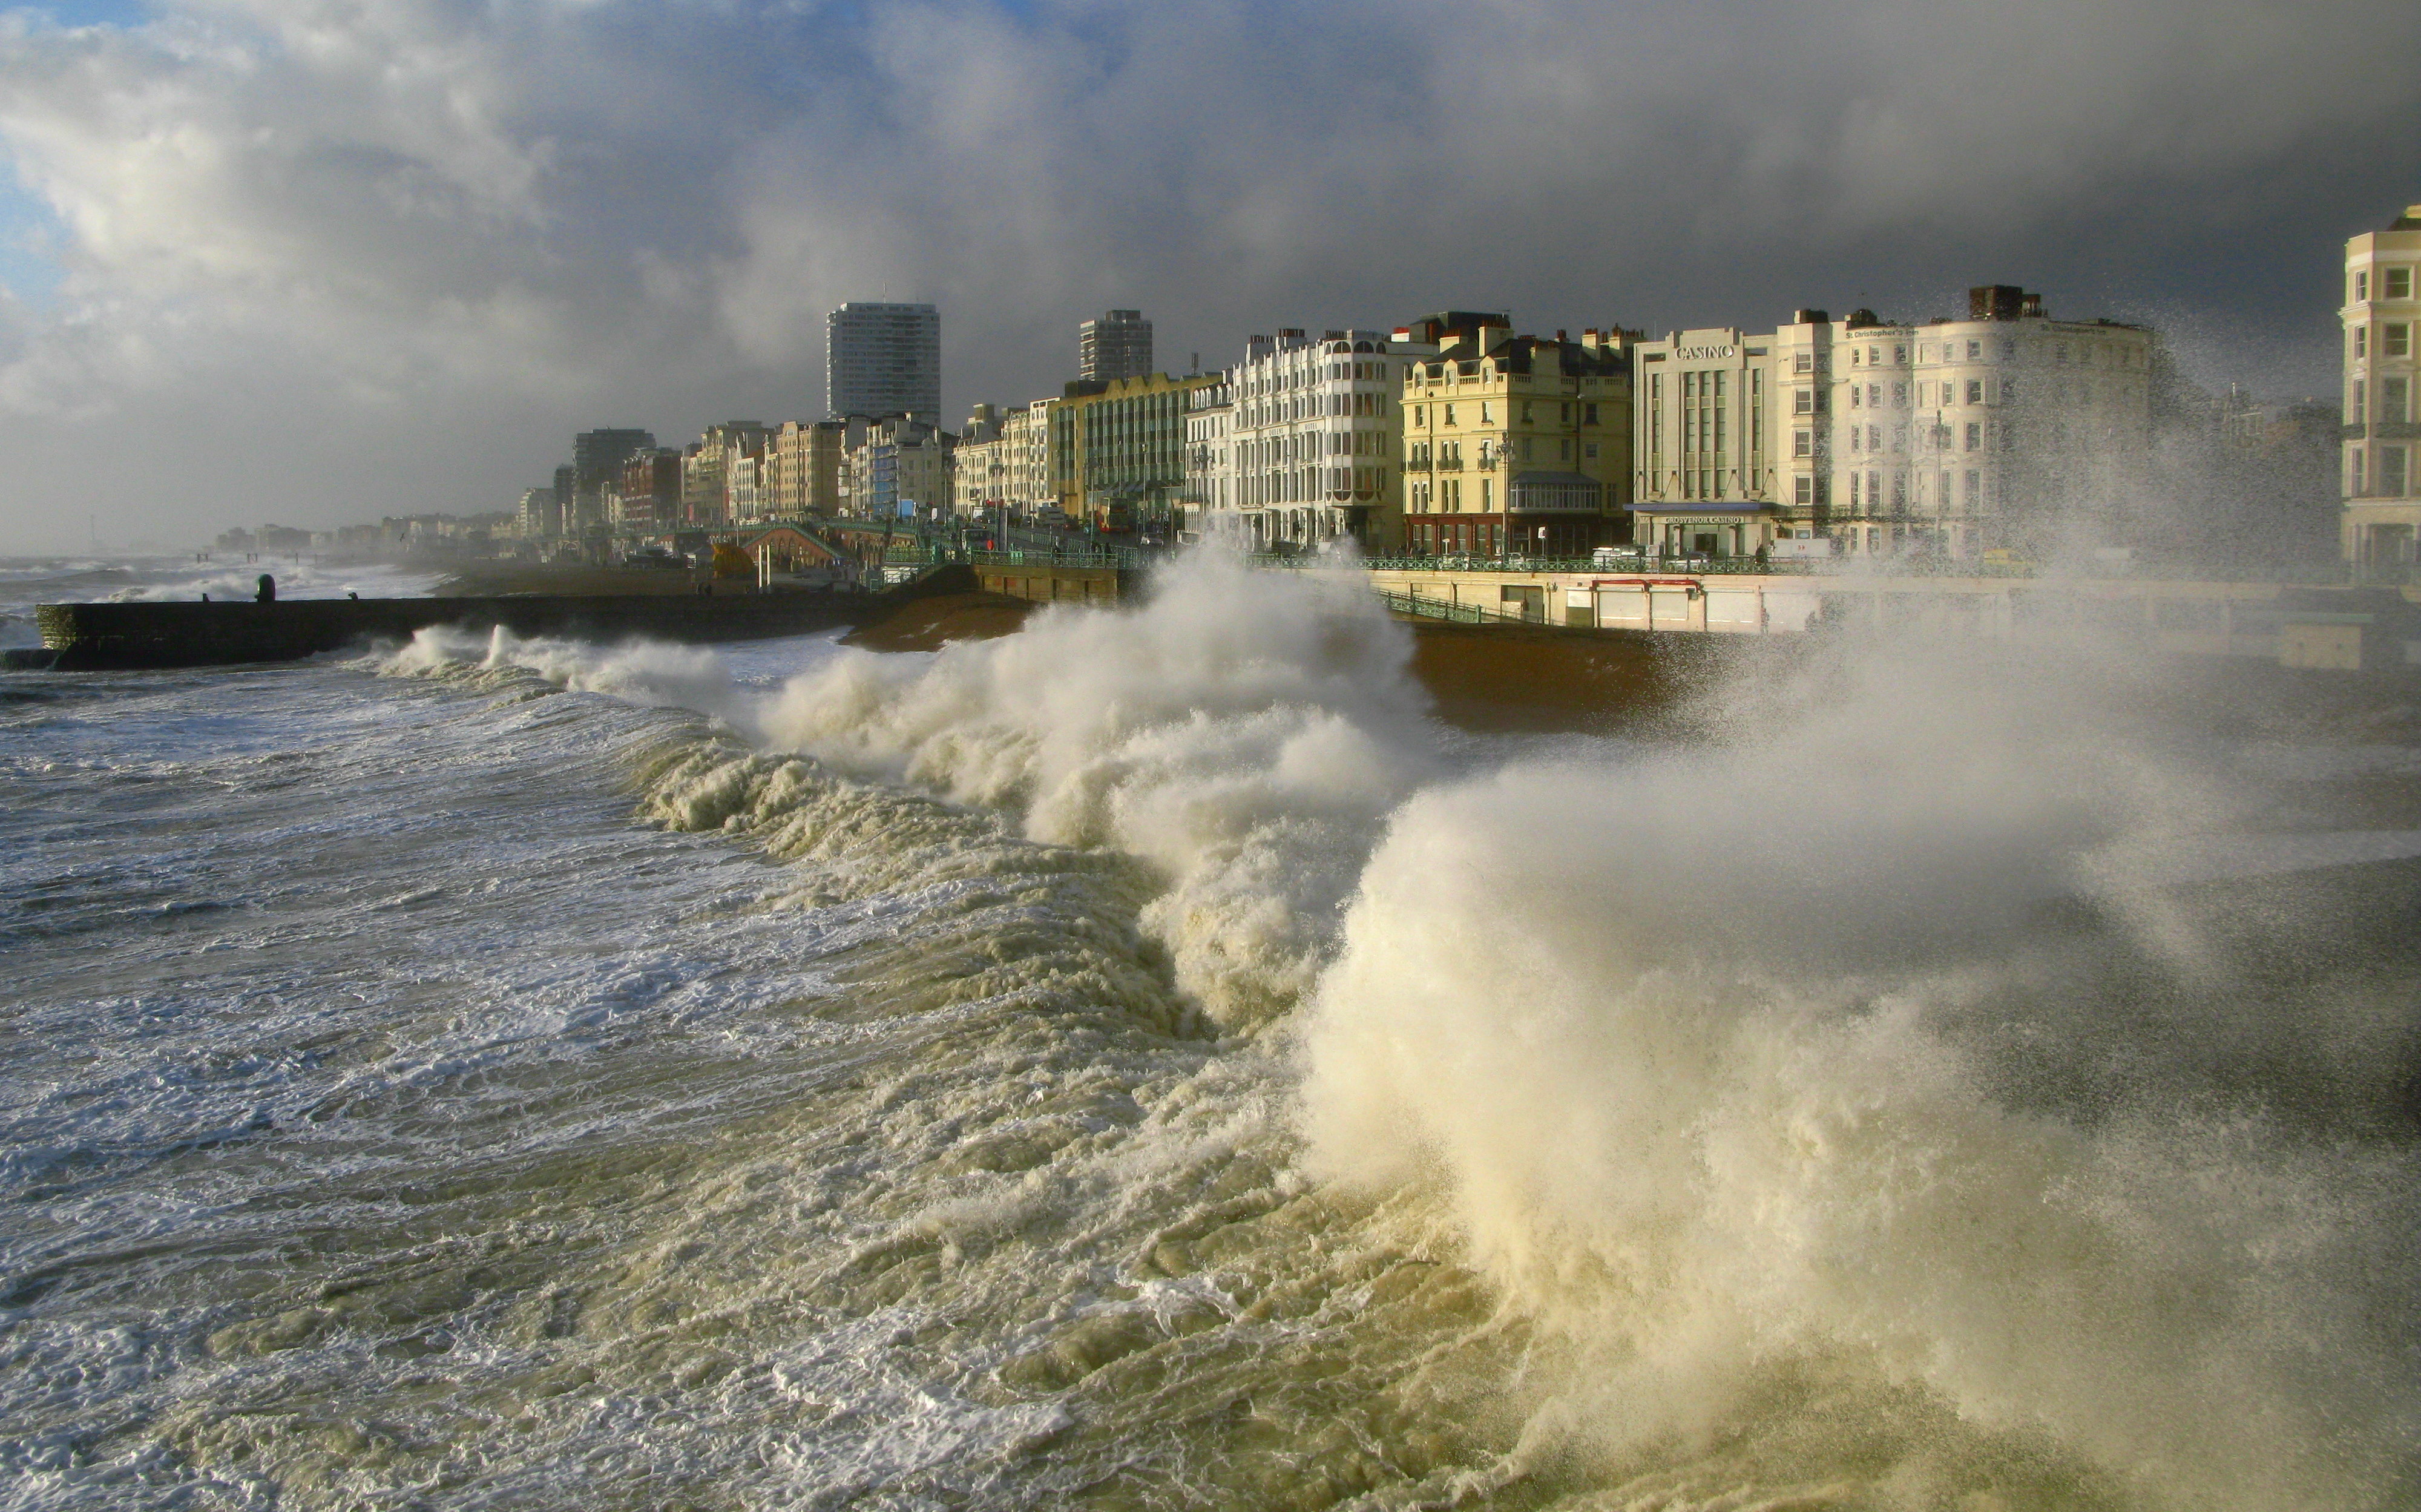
{"points": [[320, 261]]}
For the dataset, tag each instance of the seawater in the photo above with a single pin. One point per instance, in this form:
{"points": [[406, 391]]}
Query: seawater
{"points": [[1148, 1062]]}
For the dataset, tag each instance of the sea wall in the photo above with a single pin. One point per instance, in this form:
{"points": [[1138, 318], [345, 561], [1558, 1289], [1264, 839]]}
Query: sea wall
{"points": [[98, 636]]}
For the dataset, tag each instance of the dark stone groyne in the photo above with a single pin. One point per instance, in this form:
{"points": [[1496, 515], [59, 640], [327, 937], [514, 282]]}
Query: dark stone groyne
{"points": [[107, 636]]}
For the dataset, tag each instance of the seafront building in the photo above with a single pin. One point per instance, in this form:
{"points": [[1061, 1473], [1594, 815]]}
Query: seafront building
{"points": [[597, 457], [1704, 473], [803, 460], [896, 466], [1296, 445], [1118, 345], [2381, 516], [647, 491], [1514, 445], [2009, 430], [980, 466], [1117, 451], [882, 360]]}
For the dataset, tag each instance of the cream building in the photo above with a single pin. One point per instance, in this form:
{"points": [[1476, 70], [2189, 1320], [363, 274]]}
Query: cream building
{"points": [[803, 460], [1511, 444], [2009, 430], [980, 467], [2381, 318], [1703, 479]]}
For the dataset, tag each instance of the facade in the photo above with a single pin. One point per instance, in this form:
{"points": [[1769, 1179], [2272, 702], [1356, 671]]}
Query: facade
{"points": [[1704, 475], [2382, 442], [980, 466], [898, 465], [707, 472], [803, 460], [1298, 441], [1118, 345], [1117, 451], [883, 359], [1513, 444], [1026, 447], [2009, 430], [539, 514], [647, 491], [597, 458], [1207, 509], [746, 494]]}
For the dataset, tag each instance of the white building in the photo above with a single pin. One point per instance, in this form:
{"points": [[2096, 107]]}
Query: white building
{"points": [[980, 467], [1210, 511], [883, 359], [2383, 486], [1308, 451]]}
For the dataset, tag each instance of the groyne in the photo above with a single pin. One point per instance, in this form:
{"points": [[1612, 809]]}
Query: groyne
{"points": [[116, 635]]}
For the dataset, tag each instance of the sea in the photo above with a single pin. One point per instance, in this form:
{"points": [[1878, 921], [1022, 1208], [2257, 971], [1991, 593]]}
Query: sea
{"points": [[1153, 1061]]}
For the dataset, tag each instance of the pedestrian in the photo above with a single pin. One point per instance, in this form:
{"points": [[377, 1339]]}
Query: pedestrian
{"points": [[267, 592]]}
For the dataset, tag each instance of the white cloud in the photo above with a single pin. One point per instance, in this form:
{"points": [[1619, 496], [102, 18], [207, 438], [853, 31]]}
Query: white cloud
{"points": [[445, 234]]}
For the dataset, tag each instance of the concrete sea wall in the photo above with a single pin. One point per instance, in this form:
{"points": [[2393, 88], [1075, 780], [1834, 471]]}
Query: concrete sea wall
{"points": [[99, 636]]}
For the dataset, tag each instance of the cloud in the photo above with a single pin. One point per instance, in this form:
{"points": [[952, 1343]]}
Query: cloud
{"points": [[324, 261]]}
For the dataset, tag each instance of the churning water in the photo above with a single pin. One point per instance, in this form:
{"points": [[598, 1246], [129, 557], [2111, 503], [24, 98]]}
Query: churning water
{"points": [[1146, 1062]]}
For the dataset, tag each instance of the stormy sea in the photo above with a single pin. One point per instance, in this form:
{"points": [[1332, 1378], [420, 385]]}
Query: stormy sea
{"points": [[1152, 1061]]}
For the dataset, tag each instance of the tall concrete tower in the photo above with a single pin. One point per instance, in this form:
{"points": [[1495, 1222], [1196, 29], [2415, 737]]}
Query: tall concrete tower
{"points": [[1118, 345], [883, 359]]}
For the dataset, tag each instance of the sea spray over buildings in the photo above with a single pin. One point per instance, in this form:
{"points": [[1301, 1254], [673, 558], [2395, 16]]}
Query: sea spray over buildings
{"points": [[1848, 1098]]}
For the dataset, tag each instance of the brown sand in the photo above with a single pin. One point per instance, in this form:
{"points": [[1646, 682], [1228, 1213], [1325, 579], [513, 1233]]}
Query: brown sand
{"points": [[928, 624]]}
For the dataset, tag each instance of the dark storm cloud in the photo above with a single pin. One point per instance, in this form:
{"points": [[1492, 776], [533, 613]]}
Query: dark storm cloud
{"points": [[326, 261]]}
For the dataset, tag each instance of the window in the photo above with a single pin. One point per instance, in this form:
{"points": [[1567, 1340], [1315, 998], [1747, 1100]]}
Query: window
{"points": [[1803, 401], [2398, 282], [1853, 490], [1449, 414], [1874, 395], [1975, 391], [1589, 450], [2361, 287], [1857, 396], [1857, 437], [1803, 363], [1483, 412], [1899, 354], [1588, 417], [2393, 397], [2391, 472], [1525, 411], [1975, 350], [1853, 356], [2361, 342], [1899, 394], [2395, 340], [1802, 444], [1807, 491], [1874, 356], [1562, 413], [1972, 490], [2354, 470], [2009, 349], [1975, 436]]}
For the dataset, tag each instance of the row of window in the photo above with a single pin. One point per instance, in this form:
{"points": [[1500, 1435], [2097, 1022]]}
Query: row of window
{"points": [[2393, 283], [2395, 402], [2394, 340]]}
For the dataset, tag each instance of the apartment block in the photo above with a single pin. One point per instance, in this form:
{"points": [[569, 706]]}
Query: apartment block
{"points": [[882, 360], [1515, 444], [1117, 451], [2383, 486], [1296, 445], [1118, 345]]}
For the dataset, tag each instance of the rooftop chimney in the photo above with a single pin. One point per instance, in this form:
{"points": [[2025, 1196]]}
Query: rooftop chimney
{"points": [[1995, 302]]}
